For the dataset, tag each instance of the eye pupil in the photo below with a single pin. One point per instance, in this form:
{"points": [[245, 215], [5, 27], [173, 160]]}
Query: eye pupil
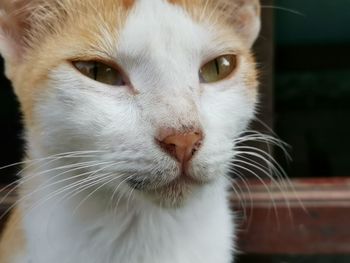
{"points": [[217, 66], [100, 72], [95, 69], [218, 69]]}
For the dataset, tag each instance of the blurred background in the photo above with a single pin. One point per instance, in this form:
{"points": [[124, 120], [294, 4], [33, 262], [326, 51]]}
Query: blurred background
{"points": [[304, 57], [312, 85], [304, 54]]}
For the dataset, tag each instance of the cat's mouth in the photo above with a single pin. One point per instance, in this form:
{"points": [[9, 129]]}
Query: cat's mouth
{"points": [[170, 184], [183, 179], [170, 194], [174, 193], [147, 185]]}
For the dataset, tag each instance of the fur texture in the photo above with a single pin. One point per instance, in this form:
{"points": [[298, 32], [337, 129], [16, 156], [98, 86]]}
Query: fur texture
{"points": [[90, 141]]}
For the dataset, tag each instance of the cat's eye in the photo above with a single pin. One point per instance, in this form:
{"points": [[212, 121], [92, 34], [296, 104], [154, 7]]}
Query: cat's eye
{"points": [[218, 69], [100, 72]]}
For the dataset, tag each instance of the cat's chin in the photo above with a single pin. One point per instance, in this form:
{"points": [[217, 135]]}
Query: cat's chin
{"points": [[174, 194]]}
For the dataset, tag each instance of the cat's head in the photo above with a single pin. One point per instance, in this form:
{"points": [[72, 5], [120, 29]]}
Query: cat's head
{"points": [[160, 87]]}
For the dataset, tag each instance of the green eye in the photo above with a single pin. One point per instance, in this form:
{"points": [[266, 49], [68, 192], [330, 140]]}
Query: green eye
{"points": [[100, 72], [218, 69]]}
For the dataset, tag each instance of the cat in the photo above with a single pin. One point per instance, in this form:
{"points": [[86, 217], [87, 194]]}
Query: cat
{"points": [[132, 109]]}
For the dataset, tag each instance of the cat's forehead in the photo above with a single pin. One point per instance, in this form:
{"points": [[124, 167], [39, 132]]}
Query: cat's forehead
{"points": [[157, 22], [163, 38], [183, 3], [175, 28], [94, 23], [149, 29]]}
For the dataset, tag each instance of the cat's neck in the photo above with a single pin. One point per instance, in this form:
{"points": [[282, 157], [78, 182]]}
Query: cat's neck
{"points": [[121, 223]]}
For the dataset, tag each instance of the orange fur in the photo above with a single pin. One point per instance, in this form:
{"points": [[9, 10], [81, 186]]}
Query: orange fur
{"points": [[185, 3], [128, 3], [236, 15], [13, 239], [46, 43]]}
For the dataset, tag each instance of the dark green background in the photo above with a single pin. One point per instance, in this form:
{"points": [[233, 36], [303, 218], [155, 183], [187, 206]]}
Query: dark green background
{"points": [[312, 85]]}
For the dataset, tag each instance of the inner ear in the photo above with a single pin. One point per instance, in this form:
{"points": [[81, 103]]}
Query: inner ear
{"points": [[244, 15]]}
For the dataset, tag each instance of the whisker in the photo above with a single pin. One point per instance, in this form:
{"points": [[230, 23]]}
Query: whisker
{"points": [[110, 175], [246, 185], [292, 11], [270, 177], [77, 166], [46, 158], [238, 194], [120, 195], [35, 161], [91, 175], [61, 156], [46, 186], [269, 166], [263, 183], [64, 189], [128, 200], [273, 165]]}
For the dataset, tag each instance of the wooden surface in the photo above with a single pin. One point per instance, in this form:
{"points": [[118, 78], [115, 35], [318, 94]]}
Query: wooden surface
{"points": [[309, 217], [312, 218]]}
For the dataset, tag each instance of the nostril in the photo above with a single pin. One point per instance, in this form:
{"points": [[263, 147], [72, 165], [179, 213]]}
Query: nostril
{"points": [[194, 151], [169, 148]]}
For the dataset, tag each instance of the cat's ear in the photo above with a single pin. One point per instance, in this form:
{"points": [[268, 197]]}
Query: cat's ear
{"points": [[13, 27], [245, 16]]}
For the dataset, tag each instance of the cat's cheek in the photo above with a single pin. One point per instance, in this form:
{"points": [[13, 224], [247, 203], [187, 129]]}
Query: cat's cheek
{"points": [[74, 118], [226, 112], [211, 161]]}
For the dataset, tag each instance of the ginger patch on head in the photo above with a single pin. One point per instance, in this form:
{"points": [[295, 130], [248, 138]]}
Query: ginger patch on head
{"points": [[174, 1], [185, 3], [128, 3]]}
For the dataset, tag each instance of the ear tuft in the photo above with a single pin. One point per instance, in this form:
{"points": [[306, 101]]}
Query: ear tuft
{"points": [[13, 24], [245, 16]]}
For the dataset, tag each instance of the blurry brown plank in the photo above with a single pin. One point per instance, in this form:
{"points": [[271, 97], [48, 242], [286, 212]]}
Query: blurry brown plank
{"points": [[314, 218]]}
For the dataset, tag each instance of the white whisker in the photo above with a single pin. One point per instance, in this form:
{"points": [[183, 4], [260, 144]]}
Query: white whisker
{"points": [[263, 183], [120, 195], [110, 175], [292, 11], [35, 161]]}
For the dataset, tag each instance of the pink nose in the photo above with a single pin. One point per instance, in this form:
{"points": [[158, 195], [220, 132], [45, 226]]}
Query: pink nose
{"points": [[182, 146]]}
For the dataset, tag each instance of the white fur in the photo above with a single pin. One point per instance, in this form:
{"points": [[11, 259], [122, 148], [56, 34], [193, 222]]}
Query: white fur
{"points": [[161, 48]]}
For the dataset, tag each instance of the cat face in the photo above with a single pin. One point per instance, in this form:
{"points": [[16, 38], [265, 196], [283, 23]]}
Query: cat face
{"points": [[160, 58]]}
